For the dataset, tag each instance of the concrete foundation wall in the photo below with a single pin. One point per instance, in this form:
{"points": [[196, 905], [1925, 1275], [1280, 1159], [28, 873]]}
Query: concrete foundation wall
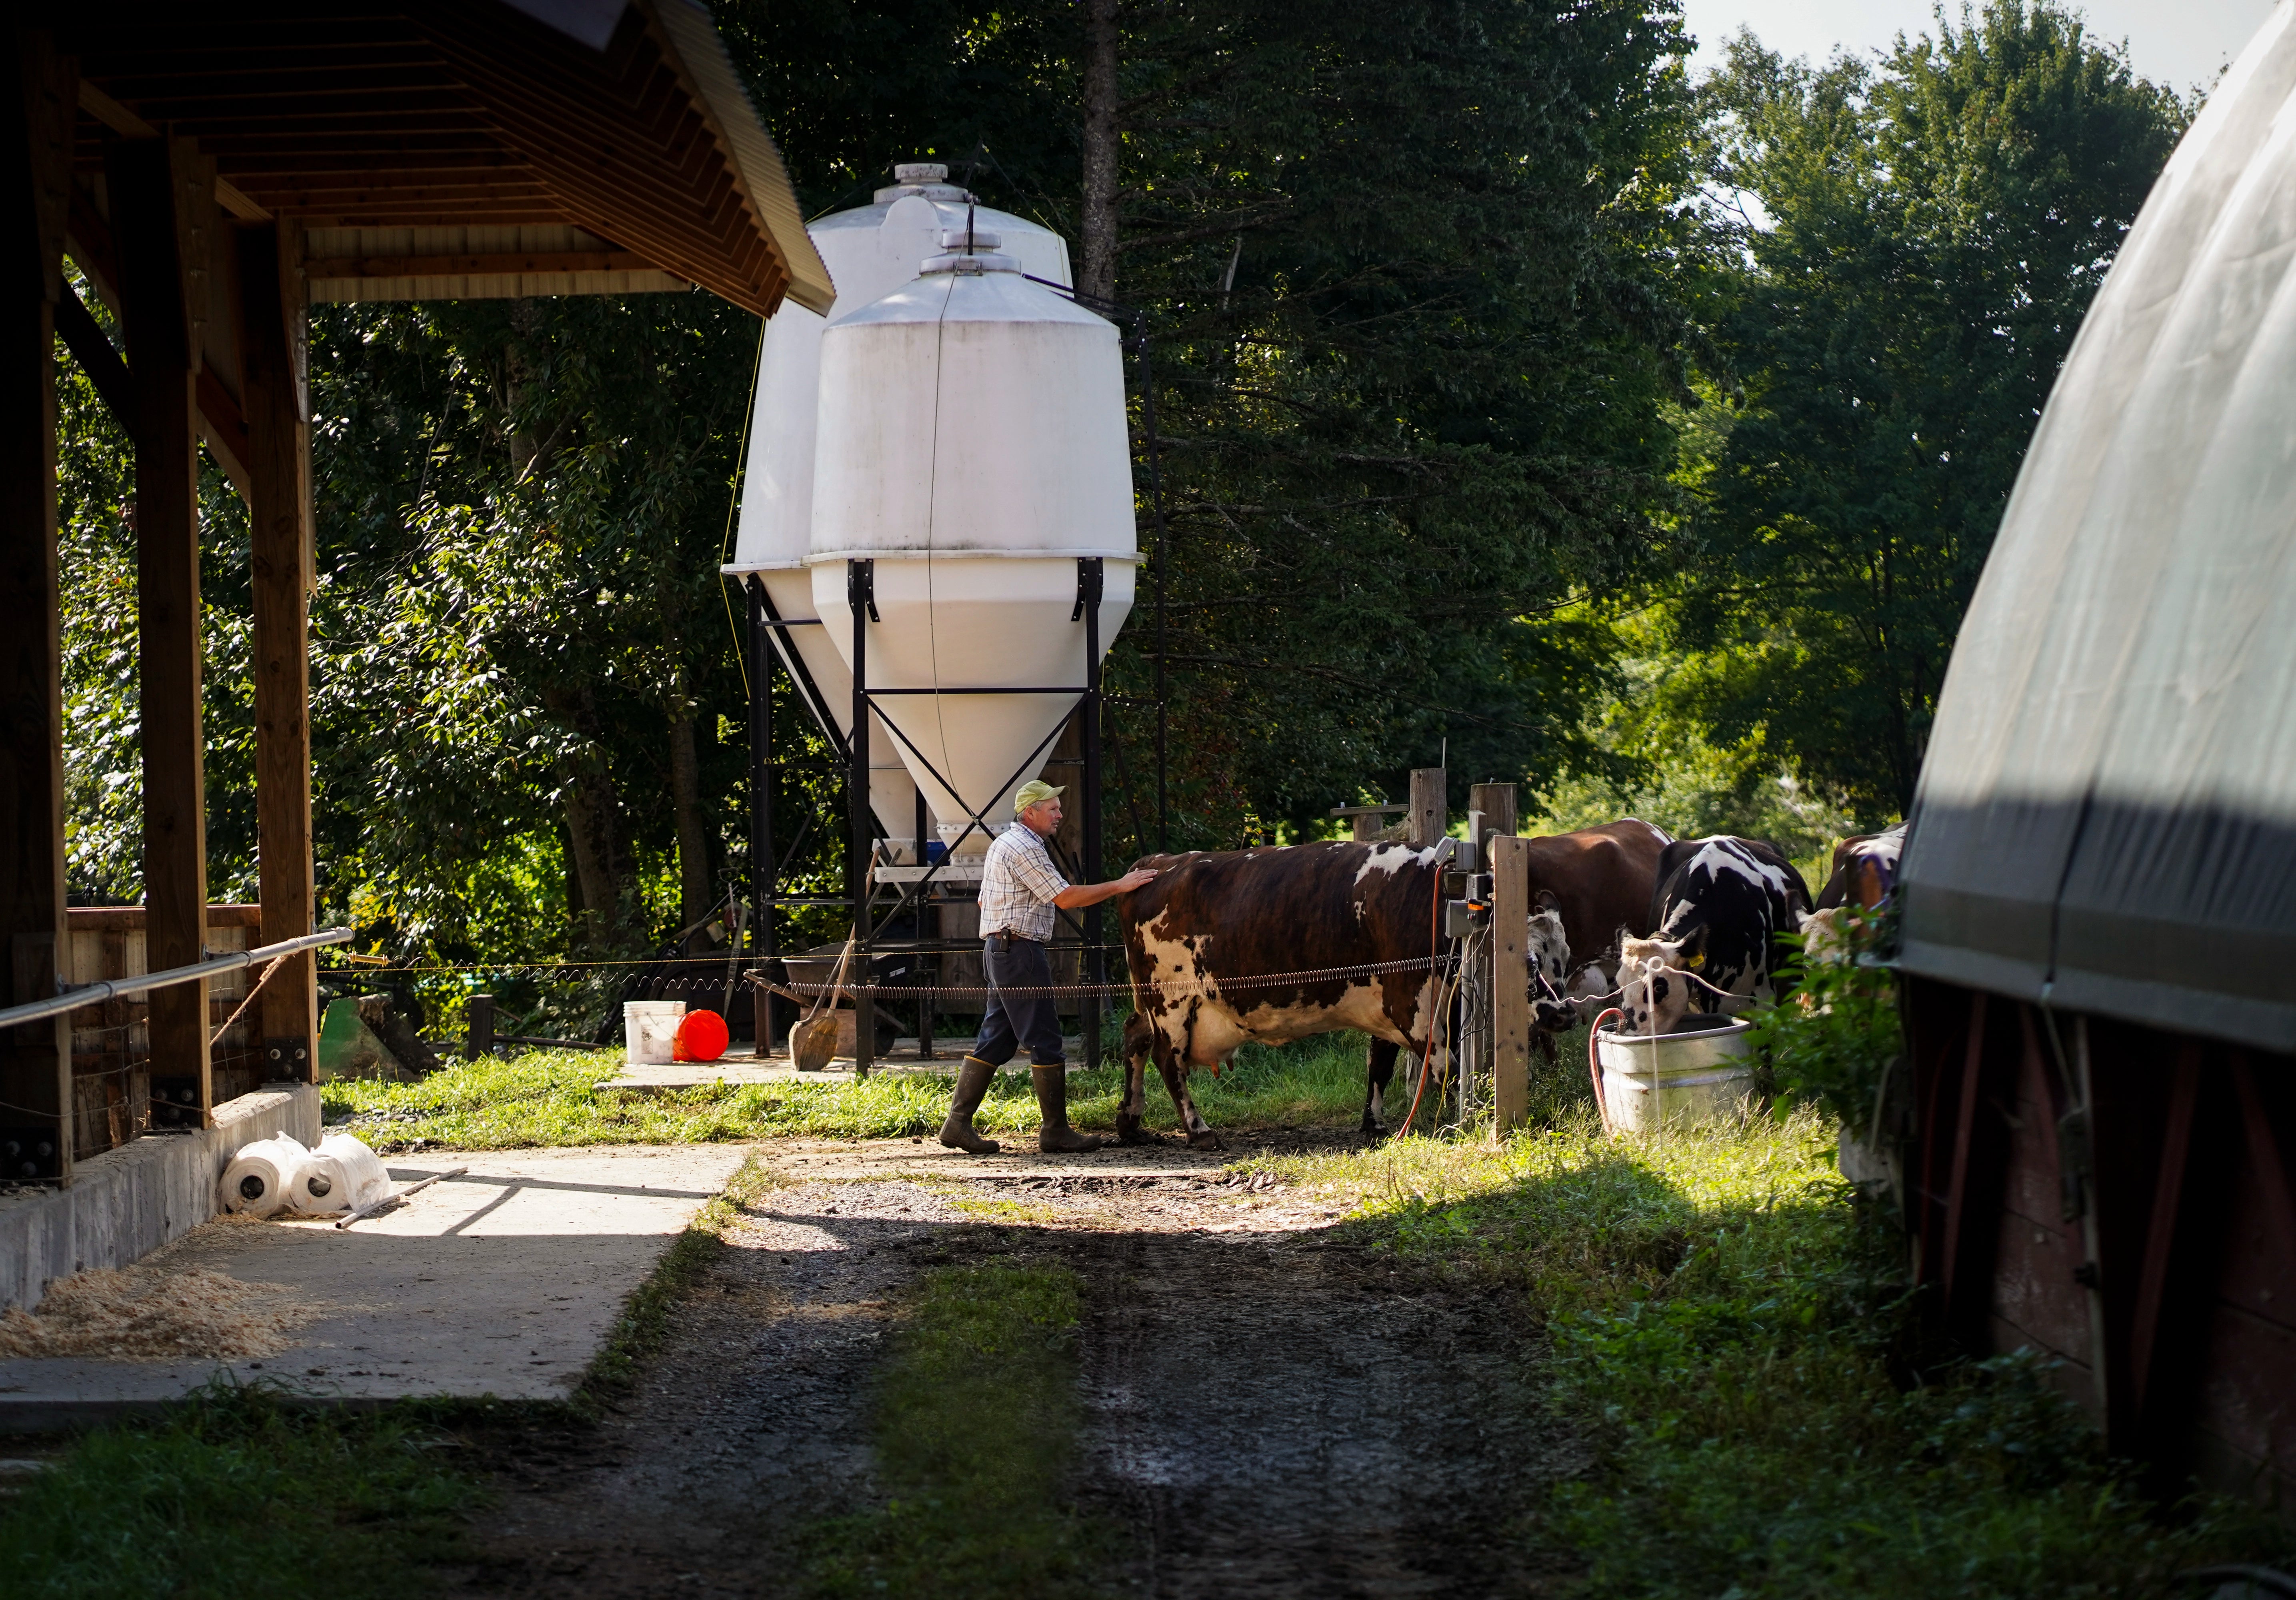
{"points": [[126, 1203]]}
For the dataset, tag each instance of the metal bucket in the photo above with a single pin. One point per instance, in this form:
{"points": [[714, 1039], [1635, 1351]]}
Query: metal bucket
{"points": [[1698, 1073]]}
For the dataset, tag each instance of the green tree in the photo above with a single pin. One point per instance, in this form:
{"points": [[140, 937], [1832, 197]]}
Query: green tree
{"points": [[1935, 228], [1405, 269], [525, 660]]}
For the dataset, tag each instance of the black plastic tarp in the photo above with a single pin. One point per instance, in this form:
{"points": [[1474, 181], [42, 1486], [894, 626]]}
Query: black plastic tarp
{"points": [[2107, 813]]}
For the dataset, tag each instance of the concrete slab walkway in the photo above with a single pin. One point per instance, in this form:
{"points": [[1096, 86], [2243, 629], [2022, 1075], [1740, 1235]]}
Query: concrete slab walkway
{"points": [[503, 1282]]}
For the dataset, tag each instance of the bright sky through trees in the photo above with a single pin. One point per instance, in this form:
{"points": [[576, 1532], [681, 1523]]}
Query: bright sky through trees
{"points": [[2180, 42]]}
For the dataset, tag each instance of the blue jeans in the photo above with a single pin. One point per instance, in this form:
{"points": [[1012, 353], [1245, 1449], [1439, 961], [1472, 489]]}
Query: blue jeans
{"points": [[1022, 1019]]}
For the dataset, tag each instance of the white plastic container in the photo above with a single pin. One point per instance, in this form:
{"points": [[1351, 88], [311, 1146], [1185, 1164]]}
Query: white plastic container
{"points": [[973, 444], [1696, 1074], [649, 1030], [871, 251]]}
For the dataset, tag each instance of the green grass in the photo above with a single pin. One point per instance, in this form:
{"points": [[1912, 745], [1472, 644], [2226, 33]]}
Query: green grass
{"points": [[233, 1495], [976, 1415], [557, 1098], [1728, 1328]]}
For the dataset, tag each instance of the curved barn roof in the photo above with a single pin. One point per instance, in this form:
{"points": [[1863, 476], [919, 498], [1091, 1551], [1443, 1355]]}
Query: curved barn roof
{"points": [[2107, 813]]}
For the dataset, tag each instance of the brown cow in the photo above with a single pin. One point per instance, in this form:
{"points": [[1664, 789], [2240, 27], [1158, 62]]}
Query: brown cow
{"points": [[1602, 879], [1199, 938]]}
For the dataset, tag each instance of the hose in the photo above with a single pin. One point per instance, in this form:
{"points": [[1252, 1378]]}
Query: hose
{"points": [[1594, 1063]]}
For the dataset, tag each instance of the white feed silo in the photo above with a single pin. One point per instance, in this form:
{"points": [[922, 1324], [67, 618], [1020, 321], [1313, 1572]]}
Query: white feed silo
{"points": [[973, 444], [870, 251]]}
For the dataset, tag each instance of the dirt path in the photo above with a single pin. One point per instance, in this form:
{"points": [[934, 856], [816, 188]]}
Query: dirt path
{"points": [[1270, 1410]]}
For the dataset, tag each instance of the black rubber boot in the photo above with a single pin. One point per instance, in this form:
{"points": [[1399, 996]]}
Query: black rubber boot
{"points": [[972, 1081], [1057, 1138]]}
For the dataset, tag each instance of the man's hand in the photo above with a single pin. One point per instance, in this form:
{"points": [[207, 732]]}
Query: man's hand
{"points": [[1077, 895]]}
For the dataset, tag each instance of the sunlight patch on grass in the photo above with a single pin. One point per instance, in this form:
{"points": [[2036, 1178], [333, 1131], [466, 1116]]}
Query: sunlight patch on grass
{"points": [[559, 1098]]}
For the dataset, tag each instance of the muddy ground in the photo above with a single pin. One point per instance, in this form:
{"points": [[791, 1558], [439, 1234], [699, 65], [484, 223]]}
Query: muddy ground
{"points": [[1271, 1409]]}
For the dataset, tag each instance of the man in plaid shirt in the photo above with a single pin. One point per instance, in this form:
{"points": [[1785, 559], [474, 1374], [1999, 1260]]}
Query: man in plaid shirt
{"points": [[1020, 888]]}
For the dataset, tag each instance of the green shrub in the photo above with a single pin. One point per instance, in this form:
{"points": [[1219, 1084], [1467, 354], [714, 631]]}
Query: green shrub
{"points": [[1832, 1039]]}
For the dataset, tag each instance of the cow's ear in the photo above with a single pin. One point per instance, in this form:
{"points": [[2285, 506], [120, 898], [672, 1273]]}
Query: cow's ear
{"points": [[1545, 900], [1693, 948]]}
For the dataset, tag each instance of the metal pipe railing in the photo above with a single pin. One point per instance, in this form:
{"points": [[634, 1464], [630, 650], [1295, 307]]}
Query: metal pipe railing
{"points": [[113, 989]]}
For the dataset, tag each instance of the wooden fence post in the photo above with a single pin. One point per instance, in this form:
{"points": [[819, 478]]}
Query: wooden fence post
{"points": [[1430, 807], [1496, 802], [1510, 982]]}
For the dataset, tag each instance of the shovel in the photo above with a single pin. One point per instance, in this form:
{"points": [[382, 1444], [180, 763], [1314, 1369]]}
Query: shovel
{"points": [[814, 1040]]}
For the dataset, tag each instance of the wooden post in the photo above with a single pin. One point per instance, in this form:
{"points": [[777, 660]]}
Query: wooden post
{"points": [[1509, 980], [155, 185], [1496, 802], [38, 92], [1430, 807], [479, 1013], [278, 465]]}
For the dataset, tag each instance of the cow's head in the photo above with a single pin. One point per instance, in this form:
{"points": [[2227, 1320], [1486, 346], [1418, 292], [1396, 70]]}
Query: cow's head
{"points": [[1655, 987], [1545, 949], [1825, 942]]}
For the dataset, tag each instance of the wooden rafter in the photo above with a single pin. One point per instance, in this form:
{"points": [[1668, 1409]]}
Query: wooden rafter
{"points": [[470, 114]]}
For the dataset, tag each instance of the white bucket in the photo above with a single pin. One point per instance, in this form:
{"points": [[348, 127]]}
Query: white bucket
{"points": [[1697, 1074], [649, 1027]]}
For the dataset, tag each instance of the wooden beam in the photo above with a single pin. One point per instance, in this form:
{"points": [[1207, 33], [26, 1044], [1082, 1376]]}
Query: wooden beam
{"points": [[91, 347], [2152, 1286], [113, 115], [1953, 1253], [440, 266], [279, 461], [225, 429], [36, 117], [149, 180], [88, 238], [1511, 987]]}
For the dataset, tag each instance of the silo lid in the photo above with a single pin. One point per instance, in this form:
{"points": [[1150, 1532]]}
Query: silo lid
{"points": [[927, 178]]}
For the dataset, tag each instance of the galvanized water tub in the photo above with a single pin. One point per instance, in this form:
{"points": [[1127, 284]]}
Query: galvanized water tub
{"points": [[1699, 1073]]}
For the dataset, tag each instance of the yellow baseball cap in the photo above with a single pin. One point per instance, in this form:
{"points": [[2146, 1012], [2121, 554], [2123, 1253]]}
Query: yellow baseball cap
{"points": [[1034, 790]]}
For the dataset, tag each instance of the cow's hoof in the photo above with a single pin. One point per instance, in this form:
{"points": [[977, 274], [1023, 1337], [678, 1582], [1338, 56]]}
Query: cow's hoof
{"points": [[1373, 1132], [1207, 1140], [1128, 1131]]}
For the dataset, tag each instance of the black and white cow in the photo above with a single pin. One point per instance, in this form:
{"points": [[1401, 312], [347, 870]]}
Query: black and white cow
{"points": [[1720, 906]]}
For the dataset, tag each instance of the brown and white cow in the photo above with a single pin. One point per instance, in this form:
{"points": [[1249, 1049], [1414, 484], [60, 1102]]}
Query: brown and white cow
{"points": [[1201, 940], [1599, 880]]}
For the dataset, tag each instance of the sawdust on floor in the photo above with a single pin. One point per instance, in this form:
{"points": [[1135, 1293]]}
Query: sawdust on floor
{"points": [[140, 1314]]}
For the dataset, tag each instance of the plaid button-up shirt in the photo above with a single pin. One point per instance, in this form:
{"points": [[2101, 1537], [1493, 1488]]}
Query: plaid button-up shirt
{"points": [[1018, 882]]}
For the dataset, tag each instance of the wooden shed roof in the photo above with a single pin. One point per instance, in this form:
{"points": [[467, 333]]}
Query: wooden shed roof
{"points": [[473, 149]]}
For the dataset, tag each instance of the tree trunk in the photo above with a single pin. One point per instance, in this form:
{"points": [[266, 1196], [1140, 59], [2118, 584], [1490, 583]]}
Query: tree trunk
{"points": [[1099, 275], [592, 822], [694, 897], [593, 826]]}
